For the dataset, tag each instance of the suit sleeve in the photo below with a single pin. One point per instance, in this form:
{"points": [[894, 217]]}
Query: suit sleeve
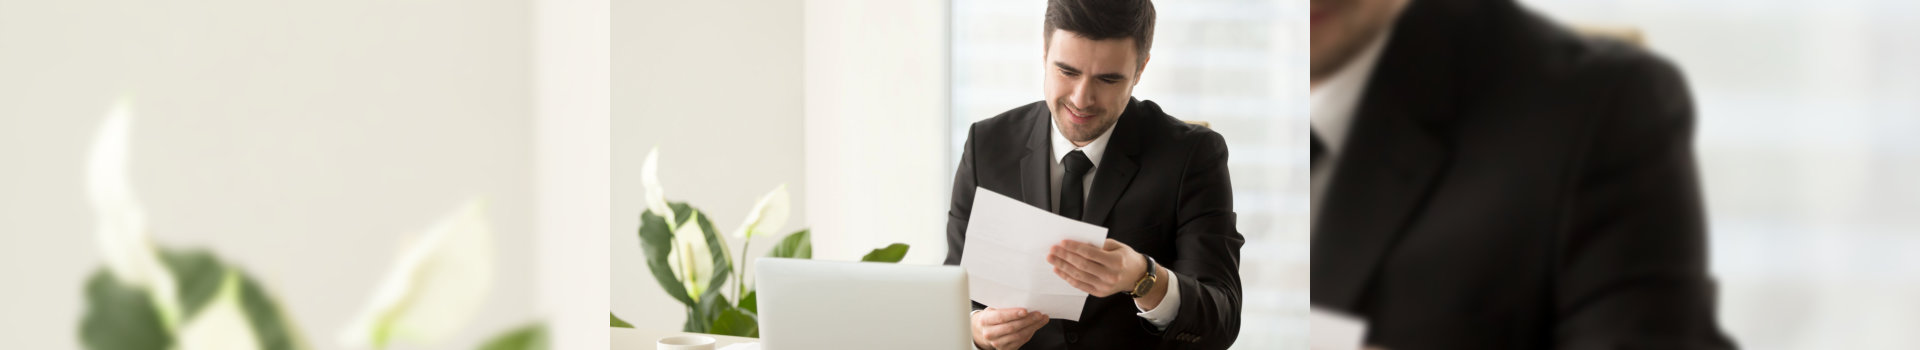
{"points": [[962, 205], [1632, 262], [1208, 243]]}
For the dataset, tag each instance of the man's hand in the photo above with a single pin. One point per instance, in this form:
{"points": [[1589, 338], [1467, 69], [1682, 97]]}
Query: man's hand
{"points": [[1005, 329], [1100, 271]]}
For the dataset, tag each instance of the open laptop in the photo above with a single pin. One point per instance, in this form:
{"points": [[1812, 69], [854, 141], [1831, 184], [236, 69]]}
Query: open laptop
{"points": [[809, 305]]}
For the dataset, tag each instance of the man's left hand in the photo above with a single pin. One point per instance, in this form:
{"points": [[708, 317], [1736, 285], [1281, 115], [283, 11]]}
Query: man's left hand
{"points": [[1100, 271]]}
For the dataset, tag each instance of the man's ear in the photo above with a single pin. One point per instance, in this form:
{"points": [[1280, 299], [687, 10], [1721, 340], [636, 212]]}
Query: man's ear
{"points": [[1137, 72]]}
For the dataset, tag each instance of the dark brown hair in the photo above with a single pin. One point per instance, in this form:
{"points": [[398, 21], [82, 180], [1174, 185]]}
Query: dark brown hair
{"points": [[1104, 19]]}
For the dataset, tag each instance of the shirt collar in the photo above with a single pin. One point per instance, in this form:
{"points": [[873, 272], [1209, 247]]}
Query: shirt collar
{"points": [[1334, 102], [1093, 150]]}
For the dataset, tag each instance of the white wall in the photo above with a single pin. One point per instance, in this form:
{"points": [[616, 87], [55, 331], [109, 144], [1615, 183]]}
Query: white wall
{"points": [[301, 140], [876, 126], [716, 85], [572, 183]]}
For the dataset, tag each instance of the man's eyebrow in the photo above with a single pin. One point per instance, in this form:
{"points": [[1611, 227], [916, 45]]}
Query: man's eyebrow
{"points": [[1103, 76], [1065, 67]]}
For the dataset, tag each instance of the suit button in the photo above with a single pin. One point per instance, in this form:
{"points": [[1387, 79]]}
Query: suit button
{"points": [[1073, 337]]}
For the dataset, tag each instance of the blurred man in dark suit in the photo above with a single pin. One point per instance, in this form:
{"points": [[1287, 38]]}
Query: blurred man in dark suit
{"points": [[1168, 275], [1485, 178]]}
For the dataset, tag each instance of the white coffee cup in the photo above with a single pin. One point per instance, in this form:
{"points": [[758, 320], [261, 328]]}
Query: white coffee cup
{"points": [[686, 342]]}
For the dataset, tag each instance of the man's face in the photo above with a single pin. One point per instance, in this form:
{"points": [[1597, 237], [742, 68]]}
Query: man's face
{"points": [[1088, 83], [1341, 28]]}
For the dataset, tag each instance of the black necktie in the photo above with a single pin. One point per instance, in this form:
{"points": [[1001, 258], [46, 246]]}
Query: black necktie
{"points": [[1072, 184], [1319, 149]]}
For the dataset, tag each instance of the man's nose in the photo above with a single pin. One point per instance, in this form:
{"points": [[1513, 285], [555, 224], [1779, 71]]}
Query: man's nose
{"points": [[1082, 94]]}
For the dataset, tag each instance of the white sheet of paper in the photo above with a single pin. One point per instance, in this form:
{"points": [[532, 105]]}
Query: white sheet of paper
{"points": [[1006, 255], [1334, 330]]}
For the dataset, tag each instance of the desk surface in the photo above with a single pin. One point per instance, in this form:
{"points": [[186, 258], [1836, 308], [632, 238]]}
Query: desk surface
{"points": [[641, 339]]}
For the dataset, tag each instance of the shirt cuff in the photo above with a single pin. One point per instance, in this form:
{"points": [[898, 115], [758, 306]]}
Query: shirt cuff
{"points": [[1169, 307]]}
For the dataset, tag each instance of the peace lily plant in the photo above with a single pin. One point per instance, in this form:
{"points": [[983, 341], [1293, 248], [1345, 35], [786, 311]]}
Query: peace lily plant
{"points": [[150, 296], [680, 243]]}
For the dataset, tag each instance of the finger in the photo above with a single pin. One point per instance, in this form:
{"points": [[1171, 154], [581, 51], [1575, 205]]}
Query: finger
{"points": [[990, 316], [1090, 253], [1072, 257], [1009, 342], [1070, 275], [1014, 341], [993, 316], [998, 332], [1015, 338], [1002, 331], [1029, 323], [1085, 287], [1022, 336], [1114, 251], [1040, 319], [1086, 269]]}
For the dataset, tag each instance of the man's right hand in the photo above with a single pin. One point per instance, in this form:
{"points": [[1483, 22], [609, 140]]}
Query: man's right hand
{"points": [[1005, 329]]}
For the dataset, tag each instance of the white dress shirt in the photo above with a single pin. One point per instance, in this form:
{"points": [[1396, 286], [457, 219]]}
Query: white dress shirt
{"points": [[1333, 104], [1169, 305], [1056, 170]]}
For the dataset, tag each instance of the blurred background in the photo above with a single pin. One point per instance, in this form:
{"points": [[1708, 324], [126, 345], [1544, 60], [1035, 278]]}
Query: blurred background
{"points": [[861, 107], [305, 142], [1807, 114]]}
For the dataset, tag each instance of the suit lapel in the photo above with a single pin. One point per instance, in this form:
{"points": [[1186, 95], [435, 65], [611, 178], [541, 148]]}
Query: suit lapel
{"points": [[1388, 165], [1034, 167], [1117, 166]]}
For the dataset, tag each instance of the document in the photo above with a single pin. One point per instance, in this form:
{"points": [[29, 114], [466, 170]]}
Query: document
{"points": [[1334, 330], [1006, 255]]}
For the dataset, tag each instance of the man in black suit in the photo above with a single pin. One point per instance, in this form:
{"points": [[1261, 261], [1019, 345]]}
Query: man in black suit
{"points": [[1168, 274], [1486, 179]]}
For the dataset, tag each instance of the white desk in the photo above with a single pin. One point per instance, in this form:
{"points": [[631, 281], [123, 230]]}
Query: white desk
{"points": [[640, 339]]}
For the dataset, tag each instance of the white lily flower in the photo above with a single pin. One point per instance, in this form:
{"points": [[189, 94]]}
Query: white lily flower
{"points": [[650, 181], [767, 215], [121, 229], [436, 286], [690, 255], [223, 324]]}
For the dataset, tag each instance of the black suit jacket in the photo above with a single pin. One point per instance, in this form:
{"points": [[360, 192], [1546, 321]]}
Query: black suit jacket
{"points": [[1161, 187], [1508, 184]]}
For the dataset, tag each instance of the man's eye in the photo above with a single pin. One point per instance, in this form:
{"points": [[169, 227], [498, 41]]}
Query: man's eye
{"points": [[1110, 81], [1070, 74]]}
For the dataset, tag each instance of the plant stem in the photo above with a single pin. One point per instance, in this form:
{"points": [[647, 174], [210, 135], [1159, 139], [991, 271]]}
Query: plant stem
{"points": [[740, 282]]}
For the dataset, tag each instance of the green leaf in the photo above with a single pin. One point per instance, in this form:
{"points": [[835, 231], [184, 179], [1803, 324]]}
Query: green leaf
{"points": [[700, 317], [270, 325], [656, 240], [891, 254], [681, 212], [736, 322], [722, 261], [198, 275], [120, 317], [619, 323], [751, 302], [529, 337], [798, 245]]}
